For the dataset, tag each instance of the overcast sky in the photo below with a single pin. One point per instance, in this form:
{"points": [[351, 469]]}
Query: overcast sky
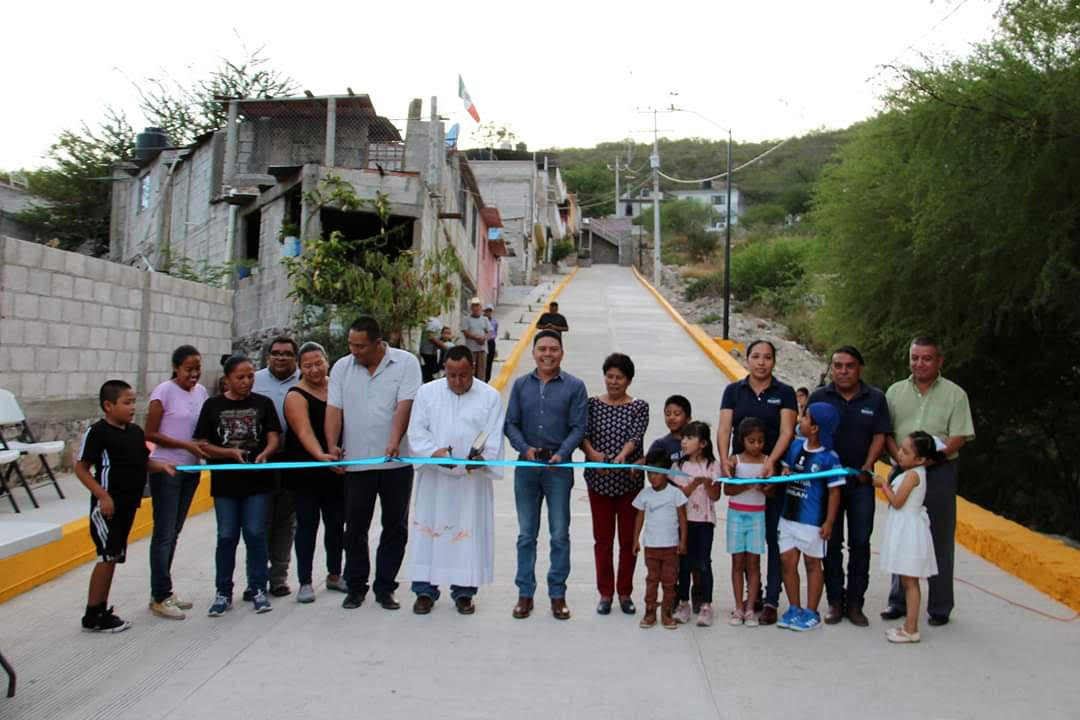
{"points": [[558, 73]]}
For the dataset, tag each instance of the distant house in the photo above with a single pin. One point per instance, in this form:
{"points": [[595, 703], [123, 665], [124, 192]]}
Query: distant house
{"points": [[715, 198], [632, 205], [15, 196], [234, 193]]}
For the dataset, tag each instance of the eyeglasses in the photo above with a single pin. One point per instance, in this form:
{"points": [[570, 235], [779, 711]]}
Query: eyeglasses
{"points": [[281, 354]]}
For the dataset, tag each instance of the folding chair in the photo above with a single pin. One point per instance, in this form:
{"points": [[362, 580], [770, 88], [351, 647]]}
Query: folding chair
{"points": [[6, 457], [12, 415]]}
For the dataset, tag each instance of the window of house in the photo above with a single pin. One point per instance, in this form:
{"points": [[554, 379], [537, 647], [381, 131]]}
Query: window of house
{"points": [[719, 200], [252, 235], [475, 227], [145, 189]]}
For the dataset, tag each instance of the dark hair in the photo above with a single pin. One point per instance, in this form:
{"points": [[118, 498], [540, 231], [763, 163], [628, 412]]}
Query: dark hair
{"points": [[658, 457], [547, 334], [552, 305], [231, 362], [852, 351], [749, 425], [803, 390], [367, 324], [681, 401], [701, 431], [182, 353], [927, 341], [284, 340], [459, 352], [925, 446], [309, 346], [620, 362], [751, 346], [110, 392]]}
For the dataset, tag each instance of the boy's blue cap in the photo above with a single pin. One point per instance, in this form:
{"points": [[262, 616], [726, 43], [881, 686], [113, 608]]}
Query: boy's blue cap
{"points": [[827, 419]]}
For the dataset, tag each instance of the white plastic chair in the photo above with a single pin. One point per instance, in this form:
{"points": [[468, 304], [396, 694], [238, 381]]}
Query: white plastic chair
{"points": [[11, 415]]}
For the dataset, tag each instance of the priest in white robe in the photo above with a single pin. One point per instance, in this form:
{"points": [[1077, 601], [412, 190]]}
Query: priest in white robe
{"points": [[452, 535]]}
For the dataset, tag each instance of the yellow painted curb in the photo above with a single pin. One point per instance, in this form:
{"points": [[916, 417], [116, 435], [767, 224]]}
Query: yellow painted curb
{"points": [[34, 567], [720, 357], [526, 337], [1048, 565]]}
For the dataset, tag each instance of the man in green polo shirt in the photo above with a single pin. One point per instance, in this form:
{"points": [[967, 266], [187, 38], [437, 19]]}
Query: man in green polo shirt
{"points": [[927, 401]]}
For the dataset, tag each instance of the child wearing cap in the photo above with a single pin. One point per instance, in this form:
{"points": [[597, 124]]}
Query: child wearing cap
{"points": [[810, 507]]}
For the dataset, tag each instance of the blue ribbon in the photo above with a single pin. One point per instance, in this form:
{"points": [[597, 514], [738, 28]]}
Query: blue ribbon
{"points": [[313, 465]]}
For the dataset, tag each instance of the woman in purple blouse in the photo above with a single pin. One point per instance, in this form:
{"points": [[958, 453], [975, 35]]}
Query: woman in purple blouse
{"points": [[615, 433]]}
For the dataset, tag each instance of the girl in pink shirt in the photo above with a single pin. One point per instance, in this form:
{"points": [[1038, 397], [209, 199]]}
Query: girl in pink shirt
{"points": [[702, 491]]}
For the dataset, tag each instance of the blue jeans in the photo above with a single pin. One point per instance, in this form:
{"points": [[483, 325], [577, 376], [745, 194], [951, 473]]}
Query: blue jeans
{"points": [[171, 501], [245, 515], [857, 505], [423, 587], [532, 486], [773, 507]]}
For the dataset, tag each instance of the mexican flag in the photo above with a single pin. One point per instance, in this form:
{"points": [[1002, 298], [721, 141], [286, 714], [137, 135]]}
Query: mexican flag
{"points": [[464, 95]]}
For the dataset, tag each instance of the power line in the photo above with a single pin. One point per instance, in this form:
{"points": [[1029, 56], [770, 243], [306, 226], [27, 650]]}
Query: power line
{"points": [[746, 164]]}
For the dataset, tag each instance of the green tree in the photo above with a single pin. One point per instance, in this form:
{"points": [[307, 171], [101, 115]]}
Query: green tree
{"points": [[955, 212]]}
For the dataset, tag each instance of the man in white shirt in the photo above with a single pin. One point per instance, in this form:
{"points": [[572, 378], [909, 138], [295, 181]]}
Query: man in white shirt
{"points": [[476, 328], [453, 535], [370, 399], [274, 382]]}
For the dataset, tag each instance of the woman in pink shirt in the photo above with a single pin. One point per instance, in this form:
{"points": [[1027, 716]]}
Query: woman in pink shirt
{"points": [[170, 425]]}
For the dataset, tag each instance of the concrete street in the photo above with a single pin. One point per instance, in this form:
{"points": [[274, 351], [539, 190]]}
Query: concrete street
{"points": [[995, 660]]}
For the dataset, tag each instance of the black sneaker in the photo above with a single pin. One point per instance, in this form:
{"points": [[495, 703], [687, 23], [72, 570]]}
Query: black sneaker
{"points": [[104, 621], [353, 600]]}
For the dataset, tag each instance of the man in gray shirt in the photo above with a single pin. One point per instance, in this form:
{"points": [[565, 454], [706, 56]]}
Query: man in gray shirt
{"points": [[546, 418], [476, 328], [274, 382], [370, 397]]}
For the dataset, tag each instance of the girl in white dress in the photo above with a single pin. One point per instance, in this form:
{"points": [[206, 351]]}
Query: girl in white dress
{"points": [[908, 549]]}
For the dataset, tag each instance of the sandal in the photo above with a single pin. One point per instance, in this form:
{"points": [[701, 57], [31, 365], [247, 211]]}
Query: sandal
{"points": [[523, 608]]}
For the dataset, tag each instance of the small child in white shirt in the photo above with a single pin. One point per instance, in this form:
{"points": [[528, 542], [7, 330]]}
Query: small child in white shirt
{"points": [[662, 512]]}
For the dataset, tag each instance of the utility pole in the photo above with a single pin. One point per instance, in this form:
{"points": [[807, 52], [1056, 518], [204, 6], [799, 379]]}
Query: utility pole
{"points": [[616, 185], [654, 161], [727, 246]]}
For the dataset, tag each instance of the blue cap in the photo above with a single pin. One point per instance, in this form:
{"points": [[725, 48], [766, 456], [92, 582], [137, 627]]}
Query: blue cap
{"points": [[827, 419]]}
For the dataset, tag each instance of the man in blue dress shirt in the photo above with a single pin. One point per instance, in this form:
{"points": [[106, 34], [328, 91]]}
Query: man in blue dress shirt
{"points": [[545, 421]]}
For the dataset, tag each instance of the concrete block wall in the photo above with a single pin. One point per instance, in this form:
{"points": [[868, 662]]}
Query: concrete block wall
{"points": [[68, 322]]}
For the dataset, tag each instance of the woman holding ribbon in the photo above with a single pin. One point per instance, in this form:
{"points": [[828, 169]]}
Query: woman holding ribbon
{"points": [[314, 491], [615, 434], [762, 396]]}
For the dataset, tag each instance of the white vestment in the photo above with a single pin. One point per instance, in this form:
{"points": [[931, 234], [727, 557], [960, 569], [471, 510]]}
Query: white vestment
{"points": [[452, 534]]}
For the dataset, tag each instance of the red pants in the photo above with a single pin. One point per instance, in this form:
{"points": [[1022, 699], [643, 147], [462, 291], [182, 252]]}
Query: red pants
{"points": [[608, 511], [662, 565]]}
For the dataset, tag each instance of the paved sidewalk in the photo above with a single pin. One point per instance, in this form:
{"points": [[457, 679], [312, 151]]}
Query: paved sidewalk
{"points": [[995, 660]]}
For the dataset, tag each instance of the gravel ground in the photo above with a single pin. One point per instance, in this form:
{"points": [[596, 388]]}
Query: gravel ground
{"points": [[795, 364]]}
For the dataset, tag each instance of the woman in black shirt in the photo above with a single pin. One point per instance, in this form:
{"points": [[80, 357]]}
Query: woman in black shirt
{"points": [[239, 427], [314, 491]]}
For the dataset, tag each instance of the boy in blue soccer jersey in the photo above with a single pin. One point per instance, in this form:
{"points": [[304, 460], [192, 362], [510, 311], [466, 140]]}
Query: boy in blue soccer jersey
{"points": [[810, 507]]}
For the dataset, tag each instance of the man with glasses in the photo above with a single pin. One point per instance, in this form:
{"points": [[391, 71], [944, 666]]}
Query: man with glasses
{"points": [[274, 382]]}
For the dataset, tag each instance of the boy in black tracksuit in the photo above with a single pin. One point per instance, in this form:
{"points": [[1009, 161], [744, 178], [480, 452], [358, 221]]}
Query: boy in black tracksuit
{"points": [[115, 449]]}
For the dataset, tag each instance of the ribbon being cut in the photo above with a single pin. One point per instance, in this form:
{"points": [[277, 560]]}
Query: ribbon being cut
{"points": [[472, 462]]}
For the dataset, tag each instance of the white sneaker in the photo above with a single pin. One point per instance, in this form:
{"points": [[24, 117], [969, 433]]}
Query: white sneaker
{"points": [[167, 608], [900, 635], [750, 618], [340, 585], [736, 618], [682, 613], [306, 594]]}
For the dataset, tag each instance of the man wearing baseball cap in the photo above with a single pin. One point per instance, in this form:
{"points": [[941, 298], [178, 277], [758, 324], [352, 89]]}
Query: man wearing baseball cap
{"points": [[476, 328]]}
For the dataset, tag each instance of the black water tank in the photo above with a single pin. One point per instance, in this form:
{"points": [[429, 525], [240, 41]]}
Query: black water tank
{"points": [[149, 143]]}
